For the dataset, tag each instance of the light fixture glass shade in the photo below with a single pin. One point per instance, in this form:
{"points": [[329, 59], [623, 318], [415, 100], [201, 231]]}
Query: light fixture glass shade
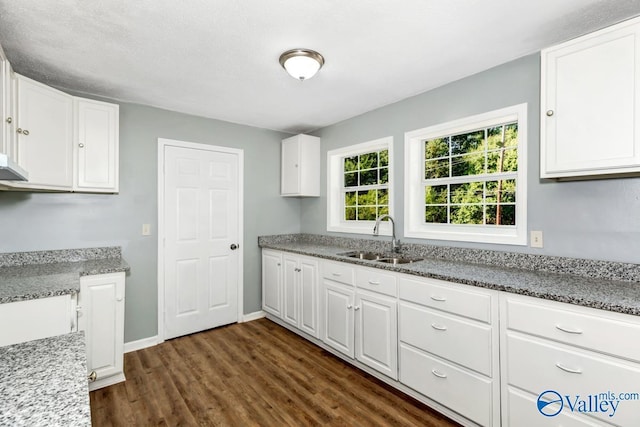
{"points": [[301, 64]]}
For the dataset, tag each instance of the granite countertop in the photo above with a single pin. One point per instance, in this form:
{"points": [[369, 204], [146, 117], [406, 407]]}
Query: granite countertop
{"points": [[43, 383], [32, 275], [608, 286]]}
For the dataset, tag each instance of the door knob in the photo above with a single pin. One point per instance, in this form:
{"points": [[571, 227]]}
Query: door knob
{"points": [[234, 246]]}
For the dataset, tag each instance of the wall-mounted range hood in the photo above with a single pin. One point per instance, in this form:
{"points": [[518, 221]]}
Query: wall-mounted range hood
{"points": [[9, 170]]}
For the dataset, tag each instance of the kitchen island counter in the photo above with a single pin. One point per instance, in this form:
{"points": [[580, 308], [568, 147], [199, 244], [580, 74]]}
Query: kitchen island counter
{"points": [[44, 382]]}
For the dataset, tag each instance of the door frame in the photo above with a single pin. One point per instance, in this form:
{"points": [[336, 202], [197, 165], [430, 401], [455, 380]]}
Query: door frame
{"points": [[162, 143]]}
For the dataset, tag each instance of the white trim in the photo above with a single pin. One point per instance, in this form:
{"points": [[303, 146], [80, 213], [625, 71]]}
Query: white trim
{"points": [[105, 382], [162, 143], [253, 316], [414, 193], [141, 344], [334, 188]]}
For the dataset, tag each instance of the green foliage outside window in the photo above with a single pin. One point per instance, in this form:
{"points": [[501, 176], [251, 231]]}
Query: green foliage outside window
{"points": [[458, 185], [366, 186]]}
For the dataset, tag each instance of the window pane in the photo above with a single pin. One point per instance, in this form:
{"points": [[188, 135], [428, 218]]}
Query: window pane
{"points": [[351, 164], [350, 214], [384, 158], [505, 160], [435, 195], [350, 198], [367, 198], [367, 213], [467, 142], [469, 192], [472, 164], [511, 135], [435, 214], [384, 176], [369, 177], [507, 214], [351, 179], [501, 191], [436, 148], [383, 197], [368, 161], [494, 138], [436, 169], [466, 214], [383, 210]]}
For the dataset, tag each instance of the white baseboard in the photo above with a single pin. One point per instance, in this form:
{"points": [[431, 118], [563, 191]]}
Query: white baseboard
{"points": [[140, 344], [253, 316]]}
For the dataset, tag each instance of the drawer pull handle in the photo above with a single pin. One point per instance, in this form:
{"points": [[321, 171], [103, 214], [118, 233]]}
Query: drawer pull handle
{"points": [[439, 299], [438, 327], [568, 330], [570, 370], [374, 282], [336, 274], [438, 374]]}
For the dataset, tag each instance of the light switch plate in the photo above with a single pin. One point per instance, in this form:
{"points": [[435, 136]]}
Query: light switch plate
{"points": [[536, 239], [146, 229]]}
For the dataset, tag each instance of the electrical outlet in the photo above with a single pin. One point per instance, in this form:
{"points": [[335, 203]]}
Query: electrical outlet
{"points": [[146, 229], [536, 239]]}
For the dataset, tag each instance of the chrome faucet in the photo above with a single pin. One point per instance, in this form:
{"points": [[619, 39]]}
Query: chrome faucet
{"points": [[395, 243]]}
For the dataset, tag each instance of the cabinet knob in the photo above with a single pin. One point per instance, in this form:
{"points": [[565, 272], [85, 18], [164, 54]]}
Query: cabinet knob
{"points": [[119, 299], [92, 376], [349, 306], [234, 246], [549, 113], [9, 120], [279, 264], [81, 145], [357, 307], [23, 131]]}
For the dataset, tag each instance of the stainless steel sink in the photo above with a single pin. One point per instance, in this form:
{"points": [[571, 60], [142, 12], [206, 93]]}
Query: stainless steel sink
{"points": [[395, 260], [386, 258]]}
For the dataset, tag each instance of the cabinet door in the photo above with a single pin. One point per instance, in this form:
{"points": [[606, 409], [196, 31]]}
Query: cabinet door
{"points": [[290, 184], [37, 318], [309, 296], [5, 103], [45, 134], [290, 285], [96, 146], [338, 317], [377, 332], [272, 283], [101, 317], [590, 104]]}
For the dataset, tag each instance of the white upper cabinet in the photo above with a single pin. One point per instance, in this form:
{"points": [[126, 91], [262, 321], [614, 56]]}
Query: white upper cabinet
{"points": [[44, 130], [96, 146], [300, 174], [590, 104]]}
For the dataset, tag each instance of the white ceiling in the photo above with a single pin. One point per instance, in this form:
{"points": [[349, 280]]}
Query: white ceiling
{"points": [[219, 58]]}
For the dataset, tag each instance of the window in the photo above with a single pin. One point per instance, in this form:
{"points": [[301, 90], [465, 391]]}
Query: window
{"points": [[359, 180], [466, 180]]}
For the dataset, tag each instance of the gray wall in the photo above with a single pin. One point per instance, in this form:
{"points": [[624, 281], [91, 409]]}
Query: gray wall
{"points": [[597, 219], [39, 221]]}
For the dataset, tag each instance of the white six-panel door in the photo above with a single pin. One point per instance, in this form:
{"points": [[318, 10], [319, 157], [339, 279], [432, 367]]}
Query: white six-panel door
{"points": [[201, 239]]}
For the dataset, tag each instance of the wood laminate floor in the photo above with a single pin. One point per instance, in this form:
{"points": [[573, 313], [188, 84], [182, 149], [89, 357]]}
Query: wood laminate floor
{"points": [[250, 374]]}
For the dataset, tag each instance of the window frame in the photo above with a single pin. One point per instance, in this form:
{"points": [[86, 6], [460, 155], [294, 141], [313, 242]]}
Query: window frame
{"points": [[335, 187], [414, 205]]}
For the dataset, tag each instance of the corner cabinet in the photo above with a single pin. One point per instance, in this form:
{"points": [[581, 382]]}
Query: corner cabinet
{"points": [[300, 166], [590, 104], [101, 317]]}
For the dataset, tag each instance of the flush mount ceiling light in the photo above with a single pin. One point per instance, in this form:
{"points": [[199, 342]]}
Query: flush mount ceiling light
{"points": [[301, 64]]}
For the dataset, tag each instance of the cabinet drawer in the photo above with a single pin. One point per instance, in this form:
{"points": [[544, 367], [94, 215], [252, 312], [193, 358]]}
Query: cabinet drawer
{"points": [[456, 299], [536, 365], [37, 318], [464, 392], [522, 411], [567, 324], [377, 281], [338, 272], [456, 339]]}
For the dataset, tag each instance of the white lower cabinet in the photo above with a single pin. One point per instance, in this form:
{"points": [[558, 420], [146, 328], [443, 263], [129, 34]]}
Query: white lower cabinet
{"points": [[37, 318], [567, 365], [479, 356], [450, 353], [101, 317], [290, 290]]}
